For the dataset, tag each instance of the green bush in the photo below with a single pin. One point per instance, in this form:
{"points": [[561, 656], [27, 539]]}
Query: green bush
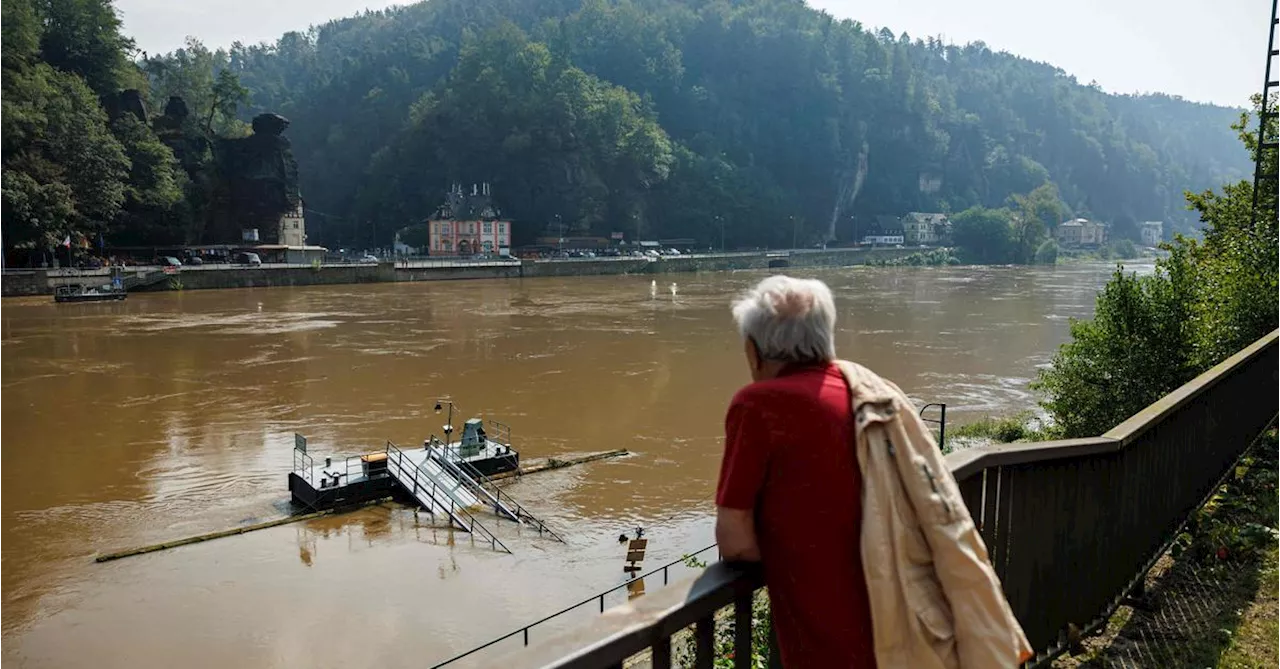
{"points": [[1133, 352]]}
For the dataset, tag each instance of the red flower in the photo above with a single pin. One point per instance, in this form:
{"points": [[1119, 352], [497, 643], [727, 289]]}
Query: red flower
{"points": [[1222, 552]]}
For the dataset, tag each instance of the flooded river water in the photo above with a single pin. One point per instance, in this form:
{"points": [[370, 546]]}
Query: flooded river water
{"points": [[173, 414]]}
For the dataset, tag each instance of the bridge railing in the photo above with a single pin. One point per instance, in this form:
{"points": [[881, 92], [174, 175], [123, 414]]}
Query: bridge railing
{"points": [[1072, 526]]}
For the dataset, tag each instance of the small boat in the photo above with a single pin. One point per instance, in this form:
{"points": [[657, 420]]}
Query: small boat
{"points": [[81, 293]]}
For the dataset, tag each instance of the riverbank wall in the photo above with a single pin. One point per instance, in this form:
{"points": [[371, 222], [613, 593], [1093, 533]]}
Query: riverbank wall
{"points": [[43, 282]]}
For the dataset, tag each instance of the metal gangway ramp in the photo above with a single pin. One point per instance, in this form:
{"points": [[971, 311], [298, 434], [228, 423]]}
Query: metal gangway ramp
{"points": [[482, 487], [438, 492]]}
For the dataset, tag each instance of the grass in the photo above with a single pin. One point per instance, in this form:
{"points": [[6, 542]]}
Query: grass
{"points": [[1254, 642], [1211, 599], [1001, 429]]}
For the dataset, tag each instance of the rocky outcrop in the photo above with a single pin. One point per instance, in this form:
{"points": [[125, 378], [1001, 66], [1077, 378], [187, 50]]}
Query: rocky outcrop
{"points": [[259, 179]]}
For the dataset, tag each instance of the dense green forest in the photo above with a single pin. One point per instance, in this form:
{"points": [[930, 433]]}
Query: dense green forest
{"points": [[656, 116], [664, 118]]}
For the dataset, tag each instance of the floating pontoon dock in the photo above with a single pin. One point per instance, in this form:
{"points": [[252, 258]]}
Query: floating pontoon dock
{"points": [[449, 480]]}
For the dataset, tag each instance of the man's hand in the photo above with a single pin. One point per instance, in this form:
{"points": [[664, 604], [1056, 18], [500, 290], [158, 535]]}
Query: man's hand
{"points": [[736, 535]]}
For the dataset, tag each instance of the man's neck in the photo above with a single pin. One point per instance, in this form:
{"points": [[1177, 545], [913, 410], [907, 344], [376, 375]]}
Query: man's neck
{"points": [[772, 369]]}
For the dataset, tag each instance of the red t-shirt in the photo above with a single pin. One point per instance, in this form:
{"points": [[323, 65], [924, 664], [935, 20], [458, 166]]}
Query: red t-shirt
{"points": [[789, 455]]}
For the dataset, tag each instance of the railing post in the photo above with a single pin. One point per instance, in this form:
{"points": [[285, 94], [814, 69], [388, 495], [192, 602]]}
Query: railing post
{"points": [[662, 653], [742, 619], [705, 631], [942, 430]]}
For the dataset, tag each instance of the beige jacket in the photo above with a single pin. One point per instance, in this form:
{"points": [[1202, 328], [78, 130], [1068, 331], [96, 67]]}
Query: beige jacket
{"points": [[936, 602]]}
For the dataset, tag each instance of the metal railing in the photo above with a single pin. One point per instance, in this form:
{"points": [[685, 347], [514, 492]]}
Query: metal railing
{"points": [[940, 421], [523, 632], [415, 478], [498, 432], [1071, 526], [484, 487], [304, 466]]}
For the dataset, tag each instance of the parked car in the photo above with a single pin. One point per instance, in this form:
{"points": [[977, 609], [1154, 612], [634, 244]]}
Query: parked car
{"points": [[168, 261], [369, 257], [246, 258], [194, 260]]}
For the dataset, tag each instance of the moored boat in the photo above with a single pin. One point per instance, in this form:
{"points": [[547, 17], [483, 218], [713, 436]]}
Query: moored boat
{"points": [[81, 293]]}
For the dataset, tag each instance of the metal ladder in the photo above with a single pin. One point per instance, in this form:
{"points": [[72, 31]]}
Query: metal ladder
{"points": [[503, 503], [1266, 125], [428, 492]]}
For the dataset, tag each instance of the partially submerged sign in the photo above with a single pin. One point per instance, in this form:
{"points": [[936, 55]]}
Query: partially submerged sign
{"points": [[635, 555]]}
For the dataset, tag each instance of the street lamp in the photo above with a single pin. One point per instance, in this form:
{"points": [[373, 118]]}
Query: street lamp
{"points": [[448, 426], [559, 236]]}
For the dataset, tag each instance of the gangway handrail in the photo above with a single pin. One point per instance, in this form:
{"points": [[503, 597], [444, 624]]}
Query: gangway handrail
{"points": [[493, 492], [406, 468], [453, 469], [457, 513]]}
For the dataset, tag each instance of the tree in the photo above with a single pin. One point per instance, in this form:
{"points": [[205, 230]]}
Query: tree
{"points": [[1133, 351], [83, 37], [154, 190], [56, 136], [89, 158], [204, 80], [1038, 213], [984, 235], [227, 96]]}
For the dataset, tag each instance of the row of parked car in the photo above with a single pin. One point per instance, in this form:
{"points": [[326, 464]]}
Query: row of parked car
{"points": [[616, 253], [241, 258]]}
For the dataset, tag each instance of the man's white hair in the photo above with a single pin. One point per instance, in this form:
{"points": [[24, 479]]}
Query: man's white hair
{"points": [[790, 320]]}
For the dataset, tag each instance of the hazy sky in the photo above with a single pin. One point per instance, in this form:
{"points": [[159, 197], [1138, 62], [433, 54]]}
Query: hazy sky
{"points": [[1206, 50]]}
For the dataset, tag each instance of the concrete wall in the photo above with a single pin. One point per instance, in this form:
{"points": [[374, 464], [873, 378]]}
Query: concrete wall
{"points": [[270, 277], [39, 282], [19, 283]]}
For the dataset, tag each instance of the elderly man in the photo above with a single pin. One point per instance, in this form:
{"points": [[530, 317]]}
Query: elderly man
{"points": [[851, 523]]}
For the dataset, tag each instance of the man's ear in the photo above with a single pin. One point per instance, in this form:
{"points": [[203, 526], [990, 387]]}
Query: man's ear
{"points": [[753, 354]]}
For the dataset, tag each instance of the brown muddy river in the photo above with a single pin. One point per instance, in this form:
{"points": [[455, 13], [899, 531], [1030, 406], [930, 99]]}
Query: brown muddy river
{"points": [[172, 414]]}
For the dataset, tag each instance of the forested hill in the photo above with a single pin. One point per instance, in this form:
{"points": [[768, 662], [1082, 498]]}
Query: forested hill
{"points": [[670, 118]]}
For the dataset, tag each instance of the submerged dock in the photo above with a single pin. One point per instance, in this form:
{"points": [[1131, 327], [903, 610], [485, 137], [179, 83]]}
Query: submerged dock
{"points": [[451, 480]]}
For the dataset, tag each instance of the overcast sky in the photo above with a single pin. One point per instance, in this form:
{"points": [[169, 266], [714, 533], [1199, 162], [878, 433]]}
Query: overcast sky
{"points": [[1205, 50]]}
